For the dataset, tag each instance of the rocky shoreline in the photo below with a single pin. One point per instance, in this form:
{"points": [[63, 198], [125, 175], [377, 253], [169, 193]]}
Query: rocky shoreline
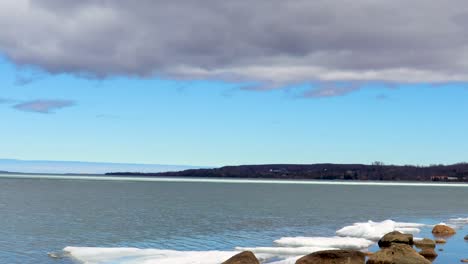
{"points": [[385, 242], [394, 248]]}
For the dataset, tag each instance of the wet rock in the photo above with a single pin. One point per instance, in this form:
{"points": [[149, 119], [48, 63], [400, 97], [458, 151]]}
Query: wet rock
{"points": [[397, 254], [464, 260], [425, 243], [440, 241], [441, 249], [443, 230], [333, 257], [395, 237], [428, 253], [245, 257], [466, 237]]}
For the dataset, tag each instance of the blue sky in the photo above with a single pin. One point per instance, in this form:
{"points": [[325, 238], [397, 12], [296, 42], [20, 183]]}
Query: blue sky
{"points": [[214, 123], [213, 83]]}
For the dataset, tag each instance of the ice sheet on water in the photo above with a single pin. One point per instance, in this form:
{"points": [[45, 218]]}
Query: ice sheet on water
{"points": [[375, 230], [458, 221], [330, 242], [408, 230], [95, 255]]}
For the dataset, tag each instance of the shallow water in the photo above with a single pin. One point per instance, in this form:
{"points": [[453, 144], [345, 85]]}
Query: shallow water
{"points": [[45, 215]]}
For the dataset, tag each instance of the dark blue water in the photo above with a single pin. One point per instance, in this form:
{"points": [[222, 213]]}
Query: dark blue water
{"points": [[41, 216]]}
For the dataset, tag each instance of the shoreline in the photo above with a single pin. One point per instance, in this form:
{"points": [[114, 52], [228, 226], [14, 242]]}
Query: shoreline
{"points": [[288, 250], [229, 180]]}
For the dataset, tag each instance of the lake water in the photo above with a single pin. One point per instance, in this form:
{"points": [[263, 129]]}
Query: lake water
{"points": [[38, 216]]}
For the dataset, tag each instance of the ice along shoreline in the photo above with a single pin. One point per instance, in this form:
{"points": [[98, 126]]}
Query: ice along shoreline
{"points": [[224, 180]]}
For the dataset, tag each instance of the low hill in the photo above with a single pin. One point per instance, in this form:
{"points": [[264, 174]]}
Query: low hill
{"points": [[376, 171]]}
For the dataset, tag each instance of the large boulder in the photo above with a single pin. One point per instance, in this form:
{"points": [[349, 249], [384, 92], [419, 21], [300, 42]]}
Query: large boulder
{"points": [[397, 254], [245, 257], [443, 230], [333, 257], [425, 243], [428, 253], [395, 237]]}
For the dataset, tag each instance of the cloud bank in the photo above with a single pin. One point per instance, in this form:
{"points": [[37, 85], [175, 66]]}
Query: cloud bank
{"points": [[43, 106], [269, 41]]}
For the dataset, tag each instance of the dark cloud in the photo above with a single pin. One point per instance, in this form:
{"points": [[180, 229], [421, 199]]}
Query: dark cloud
{"points": [[43, 106], [269, 41]]}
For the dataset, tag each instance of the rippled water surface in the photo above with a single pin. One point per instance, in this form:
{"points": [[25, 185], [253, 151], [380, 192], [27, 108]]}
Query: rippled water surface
{"points": [[38, 216]]}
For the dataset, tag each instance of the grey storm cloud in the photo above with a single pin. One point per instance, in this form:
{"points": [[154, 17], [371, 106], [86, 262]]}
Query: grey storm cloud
{"points": [[43, 106], [267, 41]]}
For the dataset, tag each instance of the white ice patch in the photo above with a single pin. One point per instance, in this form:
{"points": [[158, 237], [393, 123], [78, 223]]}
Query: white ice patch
{"points": [[458, 221], [282, 251], [408, 230], [407, 225], [375, 230], [329, 242], [93, 255]]}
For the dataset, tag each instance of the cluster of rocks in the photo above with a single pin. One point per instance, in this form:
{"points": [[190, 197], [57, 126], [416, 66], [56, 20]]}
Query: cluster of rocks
{"points": [[395, 248]]}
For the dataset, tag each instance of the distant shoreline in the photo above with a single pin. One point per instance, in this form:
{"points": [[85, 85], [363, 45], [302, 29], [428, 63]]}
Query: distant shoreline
{"points": [[225, 180], [327, 171]]}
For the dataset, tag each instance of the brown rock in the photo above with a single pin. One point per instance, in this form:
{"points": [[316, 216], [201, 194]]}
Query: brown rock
{"points": [[395, 237], [245, 257], [464, 260], [428, 253], [397, 254], [443, 230], [466, 237], [440, 241], [333, 257], [425, 243]]}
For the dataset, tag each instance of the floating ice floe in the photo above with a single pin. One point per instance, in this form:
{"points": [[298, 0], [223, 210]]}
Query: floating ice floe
{"points": [[458, 221], [330, 242], [95, 255], [375, 230]]}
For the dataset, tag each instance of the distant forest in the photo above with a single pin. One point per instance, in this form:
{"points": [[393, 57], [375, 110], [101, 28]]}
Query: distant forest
{"points": [[377, 171]]}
